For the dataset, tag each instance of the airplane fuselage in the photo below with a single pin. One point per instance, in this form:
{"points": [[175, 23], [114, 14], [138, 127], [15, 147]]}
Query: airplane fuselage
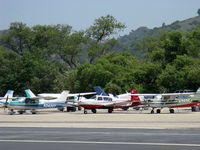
{"points": [[27, 104]]}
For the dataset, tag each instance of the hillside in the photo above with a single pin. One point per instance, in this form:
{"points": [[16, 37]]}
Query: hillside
{"points": [[127, 42]]}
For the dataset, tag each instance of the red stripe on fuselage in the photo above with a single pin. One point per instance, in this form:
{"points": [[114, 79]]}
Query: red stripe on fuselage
{"points": [[91, 106], [187, 105]]}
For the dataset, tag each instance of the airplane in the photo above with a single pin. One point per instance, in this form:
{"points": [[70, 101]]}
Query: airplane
{"points": [[5, 99], [103, 101], [137, 100], [32, 102], [71, 101], [171, 100]]}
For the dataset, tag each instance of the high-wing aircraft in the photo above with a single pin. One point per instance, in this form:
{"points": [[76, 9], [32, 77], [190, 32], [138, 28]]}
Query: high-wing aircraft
{"points": [[104, 101], [171, 100], [4, 100], [32, 102], [71, 101]]}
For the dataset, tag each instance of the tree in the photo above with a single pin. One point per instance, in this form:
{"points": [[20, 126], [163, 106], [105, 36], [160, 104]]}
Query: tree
{"points": [[102, 29], [17, 38], [198, 11], [71, 47], [7, 66]]}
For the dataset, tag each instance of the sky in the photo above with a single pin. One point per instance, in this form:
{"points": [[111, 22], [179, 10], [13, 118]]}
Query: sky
{"points": [[80, 14]]}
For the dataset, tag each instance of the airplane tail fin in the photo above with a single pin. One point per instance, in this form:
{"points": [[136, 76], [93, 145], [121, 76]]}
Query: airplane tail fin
{"points": [[63, 96], [29, 93], [198, 90], [197, 94], [9, 93], [99, 91], [134, 97]]}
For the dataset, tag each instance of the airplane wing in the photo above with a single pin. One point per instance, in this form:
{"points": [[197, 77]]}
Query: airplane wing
{"points": [[117, 103], [55, 95], [164, 94], [82, 94], [8, 98]]}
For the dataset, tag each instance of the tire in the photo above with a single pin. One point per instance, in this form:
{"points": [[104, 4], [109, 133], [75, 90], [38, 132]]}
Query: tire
{"points": [[20, 112], [94, 111], [158, 111], [152, 111], [85, 111], [171, 111], [110, 110]]}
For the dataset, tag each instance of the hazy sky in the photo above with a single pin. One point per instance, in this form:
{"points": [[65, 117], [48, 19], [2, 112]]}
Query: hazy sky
{"points": [[80, 14]]}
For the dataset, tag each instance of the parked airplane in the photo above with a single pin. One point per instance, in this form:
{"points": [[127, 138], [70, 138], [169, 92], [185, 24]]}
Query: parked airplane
{"points": [[108, 102], [137, 100], [171, 100], [32, 102], [4, 100], [71, 101]]}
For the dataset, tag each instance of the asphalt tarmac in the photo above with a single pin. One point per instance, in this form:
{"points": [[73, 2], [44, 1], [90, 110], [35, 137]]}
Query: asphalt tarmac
{"points": [[98, 138], [50, 130]]}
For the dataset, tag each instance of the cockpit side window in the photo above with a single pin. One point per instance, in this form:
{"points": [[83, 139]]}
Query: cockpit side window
{"points": [[105, 98], [99, 98]]}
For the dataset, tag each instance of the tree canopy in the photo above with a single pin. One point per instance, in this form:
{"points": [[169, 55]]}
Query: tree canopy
{"points": [[51, 58]]}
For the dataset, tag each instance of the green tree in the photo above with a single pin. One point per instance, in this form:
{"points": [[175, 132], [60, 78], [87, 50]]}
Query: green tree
{"points": [[99, 33], [72, 47], [17, 38], [198, 12]]}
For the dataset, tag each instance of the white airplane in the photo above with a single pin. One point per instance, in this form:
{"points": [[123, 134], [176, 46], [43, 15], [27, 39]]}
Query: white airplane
{"points": [[171, 100], [109, 102], [71, 101], [32, 102]]}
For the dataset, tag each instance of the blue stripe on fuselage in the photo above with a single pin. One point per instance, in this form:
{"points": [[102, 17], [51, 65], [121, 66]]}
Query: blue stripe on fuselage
{"points": [[45, 105]]}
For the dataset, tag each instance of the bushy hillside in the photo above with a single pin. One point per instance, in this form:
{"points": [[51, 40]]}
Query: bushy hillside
{"points": [[128, 42]]}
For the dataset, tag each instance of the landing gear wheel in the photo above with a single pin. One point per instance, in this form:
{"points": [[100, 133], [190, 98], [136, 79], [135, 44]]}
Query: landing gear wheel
{"points": [[158, 111], [171, 111], [152, 111], [94, 111], [11, 112], [110, 110], [21, 112], [33, 111], [79, 108], [85, 111]]}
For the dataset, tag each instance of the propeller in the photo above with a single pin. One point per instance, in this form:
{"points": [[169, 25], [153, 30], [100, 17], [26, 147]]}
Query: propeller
{"points": [[6, 103]]}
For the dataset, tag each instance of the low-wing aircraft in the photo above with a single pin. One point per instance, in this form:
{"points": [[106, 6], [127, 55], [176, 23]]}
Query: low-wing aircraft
{"points": [[32, 102], [170, 100], [103, 101], [6, 99]]}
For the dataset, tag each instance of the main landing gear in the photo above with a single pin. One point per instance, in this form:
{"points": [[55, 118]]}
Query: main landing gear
{"points": [[171, 111], [85, 111], [110, 110], [33, 111], [158, 111], [11, 112], [21, 111], [94, 111]]}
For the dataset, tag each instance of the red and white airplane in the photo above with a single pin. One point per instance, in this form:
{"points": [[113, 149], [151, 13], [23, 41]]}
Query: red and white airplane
{"points": [[109, 102], [171, 100]]}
